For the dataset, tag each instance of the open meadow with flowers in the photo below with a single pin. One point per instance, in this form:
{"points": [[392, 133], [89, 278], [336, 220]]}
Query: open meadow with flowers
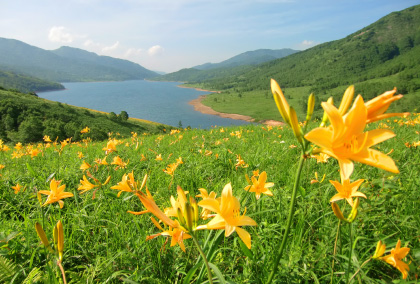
{"points": [[331, 201]]}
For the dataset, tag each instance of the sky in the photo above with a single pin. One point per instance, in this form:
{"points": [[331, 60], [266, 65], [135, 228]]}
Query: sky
{"points": [[168, 35]]}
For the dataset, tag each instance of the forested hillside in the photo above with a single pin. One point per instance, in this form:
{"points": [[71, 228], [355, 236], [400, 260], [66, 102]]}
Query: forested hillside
{"points": [[9, 80], [27, 118]]}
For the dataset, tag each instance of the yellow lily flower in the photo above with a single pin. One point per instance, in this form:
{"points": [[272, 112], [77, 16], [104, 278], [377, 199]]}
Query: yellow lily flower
{"points": [[259, 186], [119, 162], [151, 207], [346, 141], [85, 166], [17, 188], [128, 184], [228, 215], [395, 259], [347, 190], [86, 185], [170, 169], [205, 213], [85, 130], [178, 235], [56, 193], [378, 105]]}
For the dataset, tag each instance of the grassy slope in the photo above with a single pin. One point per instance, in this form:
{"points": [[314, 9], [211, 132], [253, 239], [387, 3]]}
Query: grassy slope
{"points": [[105, 243]]}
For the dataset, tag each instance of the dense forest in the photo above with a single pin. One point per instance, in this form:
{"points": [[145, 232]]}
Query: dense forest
{"points": [[28, 118]]}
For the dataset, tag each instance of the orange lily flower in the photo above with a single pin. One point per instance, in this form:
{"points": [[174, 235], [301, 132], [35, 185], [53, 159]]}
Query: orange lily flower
{"points": [[178, 235], [378, 105], [228, 215], [347, 190], [56, 193], [346, 141], [395, 259], [259, 186]]}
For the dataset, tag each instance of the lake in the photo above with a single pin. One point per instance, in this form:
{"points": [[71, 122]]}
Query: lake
{"points": [[161, 102]]}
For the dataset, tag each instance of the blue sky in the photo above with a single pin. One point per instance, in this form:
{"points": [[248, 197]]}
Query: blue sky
{"points": [[169, 35]]}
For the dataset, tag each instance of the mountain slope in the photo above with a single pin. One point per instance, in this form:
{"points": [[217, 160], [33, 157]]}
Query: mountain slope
{"points": [[389, 46], [249, 58], [66, 64], [9, 80]]}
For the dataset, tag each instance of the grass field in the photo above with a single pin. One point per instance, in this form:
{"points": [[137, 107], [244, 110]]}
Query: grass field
{"points": [[105, 244]]}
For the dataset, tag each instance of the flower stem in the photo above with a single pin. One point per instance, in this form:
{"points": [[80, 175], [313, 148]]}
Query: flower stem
{"points": [[62, 271], [335, 250], [204, 257], [350, 253], [289, 219]]}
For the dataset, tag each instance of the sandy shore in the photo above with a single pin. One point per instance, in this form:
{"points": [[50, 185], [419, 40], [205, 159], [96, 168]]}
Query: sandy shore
{"points": [[199, 106]]}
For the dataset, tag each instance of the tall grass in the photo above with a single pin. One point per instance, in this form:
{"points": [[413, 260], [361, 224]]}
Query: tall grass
{"points": [[105, 244]]}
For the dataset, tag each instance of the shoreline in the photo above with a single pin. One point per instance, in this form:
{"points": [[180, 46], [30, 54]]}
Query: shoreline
{"points": [[199, 106]]}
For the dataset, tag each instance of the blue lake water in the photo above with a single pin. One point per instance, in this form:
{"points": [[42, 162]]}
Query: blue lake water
{"points": [[161, 102]]}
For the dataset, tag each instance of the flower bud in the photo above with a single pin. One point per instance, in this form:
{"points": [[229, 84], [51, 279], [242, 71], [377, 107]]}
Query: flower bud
{"points": [[297, 131], [60, 240], [325, 116], [41, 234], [280, 100], [353, 213], [189, 216], [337, 211], [311, 105], [346, 100], [380, 250]]}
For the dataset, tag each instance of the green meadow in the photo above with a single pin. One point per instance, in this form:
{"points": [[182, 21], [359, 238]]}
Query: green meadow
{"points": [[103, 243]]}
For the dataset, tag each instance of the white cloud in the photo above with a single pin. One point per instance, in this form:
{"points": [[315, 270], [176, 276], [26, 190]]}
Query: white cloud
{"points": [[133, 52], [307, 44], [111, 48], [155, 50], [60, 34]]}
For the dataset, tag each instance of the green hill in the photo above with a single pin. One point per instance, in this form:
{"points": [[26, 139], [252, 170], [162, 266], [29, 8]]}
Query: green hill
{"points": [[231, 67], [249, 58], [376, 58], [27, 118], [388, 47], [22, 83], [66, 64]]}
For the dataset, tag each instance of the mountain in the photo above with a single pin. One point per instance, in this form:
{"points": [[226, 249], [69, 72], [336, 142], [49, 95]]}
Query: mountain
{"points": [[388, 48], [22, 83], [249, 58], [66, 64], [230, 67]]}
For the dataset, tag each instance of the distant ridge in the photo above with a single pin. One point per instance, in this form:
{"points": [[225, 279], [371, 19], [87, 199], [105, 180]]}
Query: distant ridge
{"points": [[66, 64], [249, 58], [230, 67]]}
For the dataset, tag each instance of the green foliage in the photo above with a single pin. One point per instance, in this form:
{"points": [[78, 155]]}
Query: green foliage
{"points": [[27, 118], [9, 80], [7, 269]]}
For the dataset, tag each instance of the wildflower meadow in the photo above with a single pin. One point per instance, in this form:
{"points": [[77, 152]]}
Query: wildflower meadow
{"points": [[330, 201]]}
